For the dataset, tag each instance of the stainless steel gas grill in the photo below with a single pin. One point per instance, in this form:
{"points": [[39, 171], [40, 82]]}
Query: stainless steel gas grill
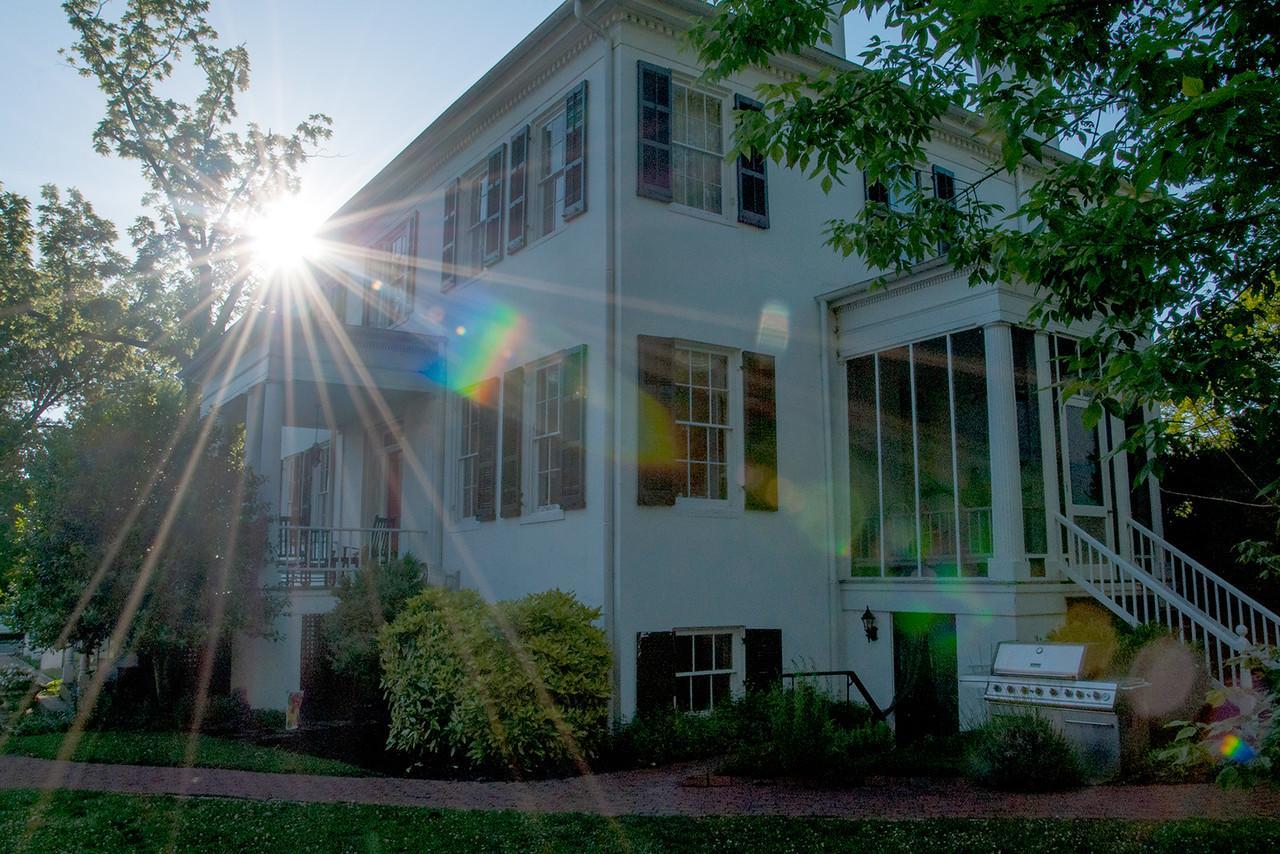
{"points": [[1047, 679]]}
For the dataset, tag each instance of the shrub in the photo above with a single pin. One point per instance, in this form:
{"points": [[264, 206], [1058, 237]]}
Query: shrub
{"points": [[40, 722], [801, 732], [1022, 753], [368, 600], [222, 714], [16, 681], [267, 720], [662, 737], [514, 688]]}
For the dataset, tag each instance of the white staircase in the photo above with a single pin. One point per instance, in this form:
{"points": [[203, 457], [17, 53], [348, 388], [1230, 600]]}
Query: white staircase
{"points": [[1163, 585]]}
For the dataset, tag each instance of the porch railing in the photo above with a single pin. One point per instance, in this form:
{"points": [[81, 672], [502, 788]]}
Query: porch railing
{"points": [[317, 556]]}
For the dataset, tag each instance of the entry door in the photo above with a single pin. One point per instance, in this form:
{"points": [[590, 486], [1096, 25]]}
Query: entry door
{"points": [[926, 687], [1086, 475]]}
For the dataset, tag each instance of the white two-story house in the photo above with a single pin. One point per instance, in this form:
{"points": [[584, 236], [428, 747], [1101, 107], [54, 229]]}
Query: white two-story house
{"points": [[564, 342]]}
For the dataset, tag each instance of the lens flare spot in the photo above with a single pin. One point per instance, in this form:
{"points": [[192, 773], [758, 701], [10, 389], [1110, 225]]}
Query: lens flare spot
{"points": [[461, 330], [1236, 749], [774, 330]]}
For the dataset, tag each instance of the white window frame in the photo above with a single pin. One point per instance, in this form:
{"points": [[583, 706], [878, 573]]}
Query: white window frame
{"points": [[737, 664], [539, 151], [467, 457], [679, 112], [535, 432], [732, 428]]}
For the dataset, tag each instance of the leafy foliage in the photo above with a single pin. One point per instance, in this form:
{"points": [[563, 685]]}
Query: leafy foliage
{"points": [[1164, 231], [514, 688], [207, 176], [142, 529], [368, 600], [1022, 753]]}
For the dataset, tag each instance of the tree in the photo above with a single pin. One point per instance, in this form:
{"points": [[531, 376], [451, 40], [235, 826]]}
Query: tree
{"points": [[142, 532], [1166, 228], [206, 179]]}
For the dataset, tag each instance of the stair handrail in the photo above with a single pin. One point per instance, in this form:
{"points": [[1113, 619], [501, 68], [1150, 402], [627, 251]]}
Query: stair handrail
{"points": [[1265, 613], [1217, 660]]}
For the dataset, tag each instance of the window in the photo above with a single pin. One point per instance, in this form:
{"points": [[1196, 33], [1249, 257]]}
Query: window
{"points": [[473, 220], [706, 669], [919, 461], [389, 299], [468, 457], [702, 422], [697, 148], [550, 141], [546, 434]]}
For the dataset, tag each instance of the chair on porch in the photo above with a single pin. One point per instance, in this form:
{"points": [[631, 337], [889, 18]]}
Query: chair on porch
{"points": [[382, 545]]}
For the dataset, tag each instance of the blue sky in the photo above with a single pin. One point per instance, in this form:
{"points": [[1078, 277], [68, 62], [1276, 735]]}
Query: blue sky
{"points": [[382, 69]]}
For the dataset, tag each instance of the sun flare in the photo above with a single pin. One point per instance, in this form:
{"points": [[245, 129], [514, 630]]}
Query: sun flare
{"points": [[283, 237]]}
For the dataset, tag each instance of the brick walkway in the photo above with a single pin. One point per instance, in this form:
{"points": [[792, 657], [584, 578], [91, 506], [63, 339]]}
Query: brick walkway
{"points": [[663, 791]]}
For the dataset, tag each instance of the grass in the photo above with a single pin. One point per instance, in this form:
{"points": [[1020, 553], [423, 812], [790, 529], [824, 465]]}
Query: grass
{"points": [[80, 821], [170, 749]]}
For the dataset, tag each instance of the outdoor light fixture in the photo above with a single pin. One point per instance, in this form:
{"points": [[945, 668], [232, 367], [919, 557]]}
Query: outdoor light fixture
{"points": [[869, 624]]}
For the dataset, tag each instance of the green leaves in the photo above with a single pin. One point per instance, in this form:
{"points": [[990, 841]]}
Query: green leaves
{"points": [[1192, 87]]}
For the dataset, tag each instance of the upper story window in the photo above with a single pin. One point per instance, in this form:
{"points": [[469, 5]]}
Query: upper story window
{"points": [[555, 149], [390, 275], [702, 422], [697, 149], [682, 144], [690, 433]]}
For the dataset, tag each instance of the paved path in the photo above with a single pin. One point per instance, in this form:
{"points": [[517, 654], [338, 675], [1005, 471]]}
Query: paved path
{"points": [[664, 791]]}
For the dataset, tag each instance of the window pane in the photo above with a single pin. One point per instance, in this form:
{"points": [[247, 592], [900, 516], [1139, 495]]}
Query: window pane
{"points": [[1085, 461], [682, 693], [973, 453], [937, 486], [898, 462], [701, 405], [684, 652], [1030, 452], [701, 700], [724, 651], [720, 689], [864, 484], [702, 652]]}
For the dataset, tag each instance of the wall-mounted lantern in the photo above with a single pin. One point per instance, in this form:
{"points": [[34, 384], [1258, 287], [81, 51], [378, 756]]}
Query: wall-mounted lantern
{"points": [[869, 624]]}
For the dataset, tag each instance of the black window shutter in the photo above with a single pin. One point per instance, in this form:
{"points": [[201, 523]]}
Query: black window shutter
{"points": [[573, 429], [486, 399], [518, 191], [654, 163], [760, 431], [753, 181], [655, 439], [493, 205], [763, 662], [512, 442], [575, 151], [655, 672], [449, 254]]}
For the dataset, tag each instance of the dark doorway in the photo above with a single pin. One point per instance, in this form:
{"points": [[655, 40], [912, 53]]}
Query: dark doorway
{"points": [[924, 675]]}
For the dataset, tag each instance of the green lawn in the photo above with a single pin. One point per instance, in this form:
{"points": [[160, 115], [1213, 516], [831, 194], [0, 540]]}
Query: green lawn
{"points": [[166, 748], [73, 821]]}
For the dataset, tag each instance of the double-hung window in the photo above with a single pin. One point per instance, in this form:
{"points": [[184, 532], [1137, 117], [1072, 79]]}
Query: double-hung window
{"points": [[391, 275], [468, 456], [551, 162], [702, 422], [707, 669], [697, 148], [546, 433]]}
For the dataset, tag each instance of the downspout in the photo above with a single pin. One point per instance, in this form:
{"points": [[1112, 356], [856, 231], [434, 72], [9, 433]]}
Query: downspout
{"points": [[612, 360], [834, 604]]}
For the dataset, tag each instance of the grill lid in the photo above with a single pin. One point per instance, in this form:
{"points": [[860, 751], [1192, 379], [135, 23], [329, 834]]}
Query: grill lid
{"points": [[1048, 660]]}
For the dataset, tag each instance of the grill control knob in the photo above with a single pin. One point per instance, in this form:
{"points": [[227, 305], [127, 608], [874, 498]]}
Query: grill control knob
{"points": [[1039, 691], [1097, 695], [1053, 692], [998, 689], [1107, 696], [1024, 689]]}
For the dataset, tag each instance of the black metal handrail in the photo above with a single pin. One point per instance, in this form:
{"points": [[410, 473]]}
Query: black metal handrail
{"points": [[851, 679]]}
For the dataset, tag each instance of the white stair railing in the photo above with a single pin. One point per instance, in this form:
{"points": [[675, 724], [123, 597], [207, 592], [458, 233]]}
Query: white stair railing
{"points": [[1136, 596], [1200, 586]]}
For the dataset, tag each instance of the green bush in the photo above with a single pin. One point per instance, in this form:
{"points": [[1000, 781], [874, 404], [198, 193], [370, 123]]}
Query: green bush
{"points": [[40, 722], [666, 736], [801, 732], [1022, 753], [368, 600], [514, 688]]}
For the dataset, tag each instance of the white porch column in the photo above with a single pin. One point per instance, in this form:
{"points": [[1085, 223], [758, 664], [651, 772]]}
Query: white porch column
{"points": [[1009, 558], [270, 437]]}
